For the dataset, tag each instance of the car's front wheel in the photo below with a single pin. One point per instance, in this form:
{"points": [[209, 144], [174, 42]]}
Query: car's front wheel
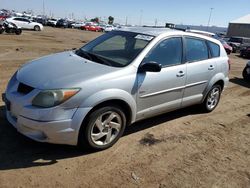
{"points": [[212, 99], [245, 74], [103, 128]]}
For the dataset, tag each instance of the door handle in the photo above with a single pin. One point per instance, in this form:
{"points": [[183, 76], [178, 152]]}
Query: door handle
{"points": [[180, 74], [211, 67]]}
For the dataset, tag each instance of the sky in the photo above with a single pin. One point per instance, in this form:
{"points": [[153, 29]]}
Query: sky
{"points": [[137, 12]]}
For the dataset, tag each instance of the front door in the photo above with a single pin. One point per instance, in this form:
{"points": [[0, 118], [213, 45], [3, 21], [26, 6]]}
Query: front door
{"points": [[162, 91]]}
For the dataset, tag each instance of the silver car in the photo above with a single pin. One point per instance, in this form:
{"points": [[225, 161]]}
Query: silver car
{"points": [[87, 97]]}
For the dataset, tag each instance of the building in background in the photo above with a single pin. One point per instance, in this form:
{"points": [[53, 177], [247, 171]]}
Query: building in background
{"points": [[239, 27]]}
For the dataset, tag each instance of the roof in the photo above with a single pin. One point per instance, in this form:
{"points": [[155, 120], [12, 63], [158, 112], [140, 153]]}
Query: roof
{"points": [[148, 30], [158, 31], [242, 20], [201, 32]]}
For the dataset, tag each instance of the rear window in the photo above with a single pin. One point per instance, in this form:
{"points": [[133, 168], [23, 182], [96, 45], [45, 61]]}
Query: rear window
{"points": [[214, 48], [196, 50]]}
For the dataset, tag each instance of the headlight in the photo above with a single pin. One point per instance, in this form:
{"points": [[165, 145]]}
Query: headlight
{"points": [[51, 98]]}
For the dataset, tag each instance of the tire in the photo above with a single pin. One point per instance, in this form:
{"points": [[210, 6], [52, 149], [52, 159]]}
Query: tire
{"points": [[212, 99], [8, 31], [245, 75], [99, 136], [18, 32], [37, 28], [234, 50], [1, 31]]}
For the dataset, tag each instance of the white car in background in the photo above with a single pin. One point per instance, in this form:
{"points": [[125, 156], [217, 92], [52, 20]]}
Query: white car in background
{"points": [[52, 22], [109, 28], [25, 23], [78, 25]]}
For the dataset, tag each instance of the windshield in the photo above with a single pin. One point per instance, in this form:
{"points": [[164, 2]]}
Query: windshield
{"points": [[117, 48]]}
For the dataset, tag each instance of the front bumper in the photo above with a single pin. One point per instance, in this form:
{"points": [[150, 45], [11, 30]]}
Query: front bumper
{"points": [[63, 131]]}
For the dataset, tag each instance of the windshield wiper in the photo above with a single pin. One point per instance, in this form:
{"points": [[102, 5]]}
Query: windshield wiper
{"points": [[83, 54], [95, 58], [99, 59]]}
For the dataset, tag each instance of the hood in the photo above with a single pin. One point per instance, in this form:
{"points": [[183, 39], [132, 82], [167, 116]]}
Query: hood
{"points": [[62, 70]]}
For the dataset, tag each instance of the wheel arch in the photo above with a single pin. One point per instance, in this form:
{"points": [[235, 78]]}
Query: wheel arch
{"points": [[110, 102], [217, 79]]}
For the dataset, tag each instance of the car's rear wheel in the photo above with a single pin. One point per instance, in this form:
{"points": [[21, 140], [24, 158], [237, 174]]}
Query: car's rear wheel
{"points": [[212, 99], [37, 28], [18, 32], [103, 128]]}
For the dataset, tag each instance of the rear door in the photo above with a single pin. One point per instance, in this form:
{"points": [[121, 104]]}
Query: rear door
{"points": [[200, 70], [27, 24]]}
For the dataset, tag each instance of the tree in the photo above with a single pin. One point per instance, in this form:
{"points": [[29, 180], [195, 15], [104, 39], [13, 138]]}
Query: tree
{"points": [[96, 20], [111, 20]]}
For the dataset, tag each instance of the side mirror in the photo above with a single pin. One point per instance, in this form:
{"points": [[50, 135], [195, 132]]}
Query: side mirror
{"points": [[150, 67]]}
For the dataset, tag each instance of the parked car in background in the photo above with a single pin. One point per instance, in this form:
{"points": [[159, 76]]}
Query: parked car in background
{"points": [[245, 50], [246, 72], [62, 23], [3, 17], [89, 96], [40, 20], [78, 25], [227, 47], [109, 28], [70, 23], [24, 23], [236, 42], [92, 27], [103, 26], [52, 22]]}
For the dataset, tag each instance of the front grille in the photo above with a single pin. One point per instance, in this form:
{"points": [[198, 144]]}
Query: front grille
{"points": [[24, 89]]}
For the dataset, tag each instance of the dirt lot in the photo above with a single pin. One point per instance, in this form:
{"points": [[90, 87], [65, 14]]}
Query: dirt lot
{"points": [[180, 149]]}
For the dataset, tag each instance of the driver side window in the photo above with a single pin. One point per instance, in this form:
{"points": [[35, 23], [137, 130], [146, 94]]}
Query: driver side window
{"points": [[167, 52]]}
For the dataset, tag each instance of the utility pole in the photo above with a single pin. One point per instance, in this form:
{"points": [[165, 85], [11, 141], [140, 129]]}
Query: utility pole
{"points": [[209, 19], [156, 21], [43, 9], [141, 12], [126, 21]]}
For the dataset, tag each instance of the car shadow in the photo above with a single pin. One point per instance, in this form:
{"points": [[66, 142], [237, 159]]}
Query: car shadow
{"points": [[17, 151], [240, 81], [154, 121], [245, 57]]}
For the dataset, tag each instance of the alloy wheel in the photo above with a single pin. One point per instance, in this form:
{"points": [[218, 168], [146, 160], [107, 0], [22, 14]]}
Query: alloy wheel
{"points": [[106, 128], [213, 98]]}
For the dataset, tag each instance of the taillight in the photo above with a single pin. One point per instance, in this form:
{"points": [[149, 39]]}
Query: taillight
{"points": [[229, 64]]}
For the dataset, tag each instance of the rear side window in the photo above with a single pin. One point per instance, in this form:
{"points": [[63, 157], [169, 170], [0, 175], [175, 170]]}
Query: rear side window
{"points": [[215, 49], [167, 52], [196, 50]]}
